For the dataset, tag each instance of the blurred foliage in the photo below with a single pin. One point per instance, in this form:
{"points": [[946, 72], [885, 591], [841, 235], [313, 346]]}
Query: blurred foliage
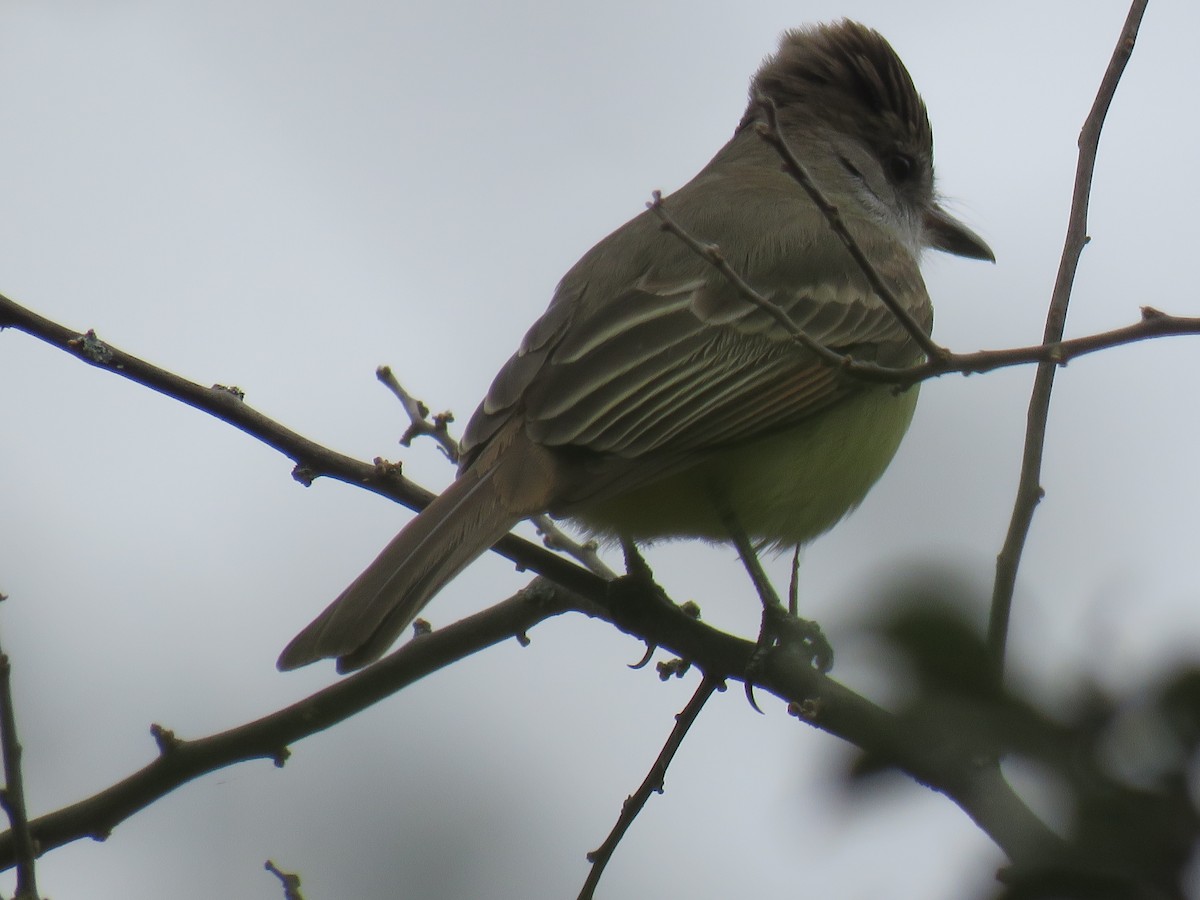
{"points": [[1122, 765]]}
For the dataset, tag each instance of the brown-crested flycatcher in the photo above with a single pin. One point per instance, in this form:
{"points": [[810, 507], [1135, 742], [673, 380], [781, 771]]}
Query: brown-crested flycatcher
{"points": [[651, 400]]}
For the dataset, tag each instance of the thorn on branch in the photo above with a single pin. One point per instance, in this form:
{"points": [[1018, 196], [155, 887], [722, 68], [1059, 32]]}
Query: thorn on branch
{"points": [[165, 739], [231, 389], [87, 344], [290, 881], [304, 474]]}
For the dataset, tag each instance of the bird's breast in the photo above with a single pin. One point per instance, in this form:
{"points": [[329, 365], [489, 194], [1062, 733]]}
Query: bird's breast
{"points": [[784, 489]]}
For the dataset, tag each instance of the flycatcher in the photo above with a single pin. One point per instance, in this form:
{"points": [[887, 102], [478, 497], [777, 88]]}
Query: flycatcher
{"points": [[650, 400]]}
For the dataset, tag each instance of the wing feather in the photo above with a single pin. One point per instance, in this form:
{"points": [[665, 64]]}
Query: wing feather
{"points": [[647, 352]]}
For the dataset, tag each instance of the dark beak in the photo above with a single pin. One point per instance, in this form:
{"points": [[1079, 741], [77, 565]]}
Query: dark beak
{"points": [[944, 232]]}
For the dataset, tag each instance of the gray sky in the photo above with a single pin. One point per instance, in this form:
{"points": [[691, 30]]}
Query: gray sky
{"points": [[284, 195]]}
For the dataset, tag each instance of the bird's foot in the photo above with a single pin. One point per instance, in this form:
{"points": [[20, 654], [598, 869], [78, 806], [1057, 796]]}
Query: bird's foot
{"points": [[782, 631]]}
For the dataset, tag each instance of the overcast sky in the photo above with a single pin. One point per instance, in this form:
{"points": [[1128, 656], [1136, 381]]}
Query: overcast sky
{"points": [[282, 196]]}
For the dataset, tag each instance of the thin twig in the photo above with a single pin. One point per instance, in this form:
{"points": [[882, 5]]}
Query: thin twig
{"points": [[12, 797], [269, 737], [585, 552], [712, 253], [1029, 489], [771, 133], [418, 417], [315, 461], [652, 784], [438, 429], [312, 460], [289, 880], [1153, 324]]}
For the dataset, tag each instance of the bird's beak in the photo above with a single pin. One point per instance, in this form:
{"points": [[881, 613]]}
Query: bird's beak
{"points": [[944, 232]]}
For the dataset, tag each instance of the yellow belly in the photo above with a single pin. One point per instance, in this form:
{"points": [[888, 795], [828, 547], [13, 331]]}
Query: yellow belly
{"points": [[784, 489]]}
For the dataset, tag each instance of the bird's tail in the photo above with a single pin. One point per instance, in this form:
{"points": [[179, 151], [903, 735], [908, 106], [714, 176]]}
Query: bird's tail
{"points": [[460, 524]]}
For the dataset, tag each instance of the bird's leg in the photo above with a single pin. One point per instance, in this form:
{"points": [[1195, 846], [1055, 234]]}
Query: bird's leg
{"points": [[794, 583], [805, 631], [638, 579], [778, 624], [635, 564]]}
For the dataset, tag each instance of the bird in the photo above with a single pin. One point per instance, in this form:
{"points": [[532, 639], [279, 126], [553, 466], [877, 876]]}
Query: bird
{"points": [[652, 401]]}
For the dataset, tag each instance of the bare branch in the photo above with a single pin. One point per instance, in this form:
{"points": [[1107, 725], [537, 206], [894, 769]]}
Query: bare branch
{"points": [[418, 417], [584, 552], [438, 429], [289, 880], [312, 460], [921, 749], [269, 737], [12, 797], [1153, 324], [1029, 489], [652, 784]]}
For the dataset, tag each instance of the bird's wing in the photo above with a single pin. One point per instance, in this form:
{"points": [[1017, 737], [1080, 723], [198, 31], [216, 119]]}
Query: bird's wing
{"points": [[676, 361]]}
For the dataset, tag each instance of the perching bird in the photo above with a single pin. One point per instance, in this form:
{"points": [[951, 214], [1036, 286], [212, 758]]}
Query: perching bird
{"points": [[652, 400]]}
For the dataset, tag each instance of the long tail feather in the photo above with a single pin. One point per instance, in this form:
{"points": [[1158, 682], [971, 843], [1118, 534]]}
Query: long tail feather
{"points": [[357, 627]]}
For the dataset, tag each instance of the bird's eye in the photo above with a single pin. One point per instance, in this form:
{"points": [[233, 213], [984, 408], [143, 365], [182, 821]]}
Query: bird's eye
{"points": [[900, 167]]}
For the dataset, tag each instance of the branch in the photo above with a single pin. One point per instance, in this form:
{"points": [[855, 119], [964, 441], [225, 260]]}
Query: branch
{"points": [[418, 417], [652, 784], [585, 552], [438, 429], [312, 460], [289, 880], [921, 749], [1053, 352], [180, 761], [1029, 489], [12, 797], [946, 762], [922, 752]]}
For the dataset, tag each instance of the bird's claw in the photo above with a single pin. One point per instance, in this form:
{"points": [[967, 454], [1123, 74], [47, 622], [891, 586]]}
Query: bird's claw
{"points": [[782, 630]]}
